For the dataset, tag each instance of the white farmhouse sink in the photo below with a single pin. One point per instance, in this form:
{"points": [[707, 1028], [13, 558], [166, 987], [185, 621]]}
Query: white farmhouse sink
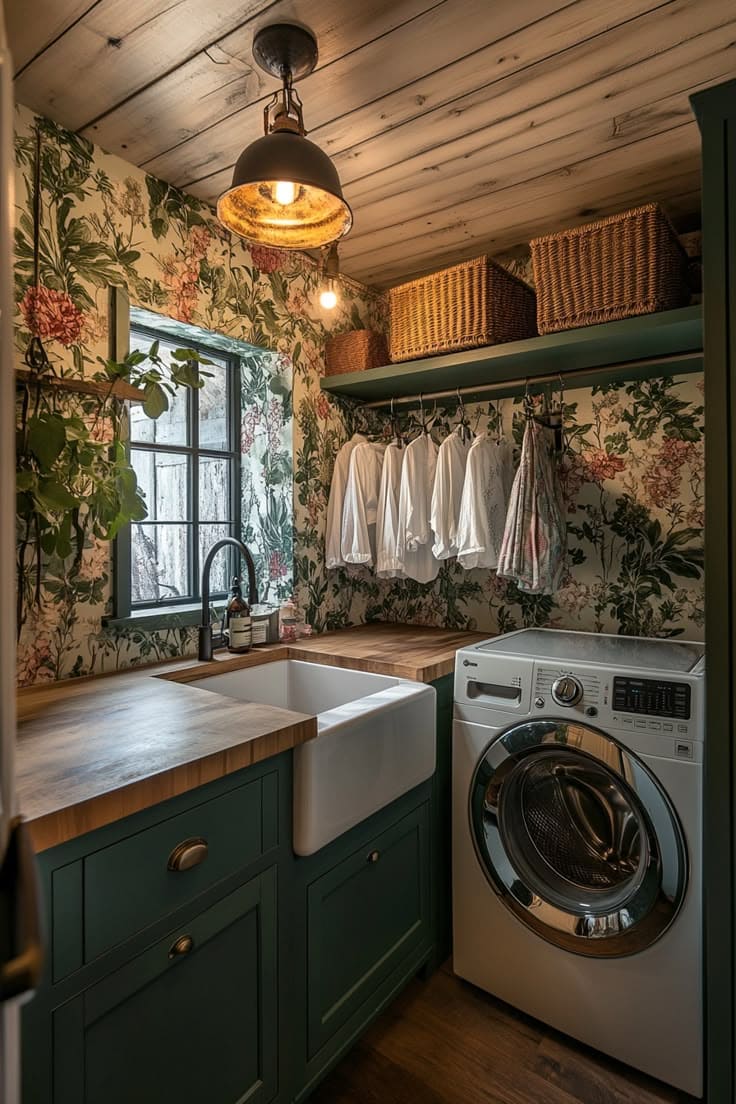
{"points": [[376, 739]]}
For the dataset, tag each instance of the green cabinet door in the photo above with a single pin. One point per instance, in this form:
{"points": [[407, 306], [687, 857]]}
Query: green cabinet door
{"points": [[191, 1019], [364, 917]]}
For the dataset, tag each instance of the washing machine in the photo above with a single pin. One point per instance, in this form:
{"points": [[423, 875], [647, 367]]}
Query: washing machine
{"points": [[577, 794]]}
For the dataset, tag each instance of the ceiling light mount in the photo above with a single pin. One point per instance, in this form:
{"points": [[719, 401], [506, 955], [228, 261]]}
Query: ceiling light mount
{"points": [[285, 50], [286, 192]]}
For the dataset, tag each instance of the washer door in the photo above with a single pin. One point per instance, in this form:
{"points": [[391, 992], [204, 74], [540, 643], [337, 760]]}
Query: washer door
{"points": [[578, 838]]}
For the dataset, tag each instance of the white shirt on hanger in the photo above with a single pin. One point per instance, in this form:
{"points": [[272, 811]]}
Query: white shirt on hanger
{"points": [[488, 480], [388, 563], [447, 493], [414, 546], [333, 530], [358, 541]]}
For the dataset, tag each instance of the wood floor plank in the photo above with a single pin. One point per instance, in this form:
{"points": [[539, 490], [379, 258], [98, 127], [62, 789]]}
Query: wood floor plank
{"points": [[446, 1042]]}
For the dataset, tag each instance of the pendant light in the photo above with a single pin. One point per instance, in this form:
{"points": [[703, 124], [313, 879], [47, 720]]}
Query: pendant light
{"points": [[329, 290], [286, 192]]}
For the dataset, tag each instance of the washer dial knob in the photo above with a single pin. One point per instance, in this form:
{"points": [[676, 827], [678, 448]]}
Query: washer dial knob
{"points": [[567, 690]]}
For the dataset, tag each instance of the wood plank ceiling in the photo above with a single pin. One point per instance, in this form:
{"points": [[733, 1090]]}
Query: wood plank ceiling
{"points": [[458, 126]]}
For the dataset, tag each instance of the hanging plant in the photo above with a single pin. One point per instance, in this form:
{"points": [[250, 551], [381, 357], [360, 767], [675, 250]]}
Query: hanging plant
{"points": [[74, 480]]}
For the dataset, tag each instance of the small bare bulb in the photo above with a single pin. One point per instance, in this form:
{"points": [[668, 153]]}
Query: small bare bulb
{"points": [[328, 299], [285, 192]]}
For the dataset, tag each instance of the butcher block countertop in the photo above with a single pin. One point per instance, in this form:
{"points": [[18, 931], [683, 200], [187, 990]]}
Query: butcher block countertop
{"points": [[91, 751]]}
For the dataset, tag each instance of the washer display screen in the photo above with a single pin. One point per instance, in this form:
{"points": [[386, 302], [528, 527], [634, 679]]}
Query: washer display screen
{"points": [[656, 697]]}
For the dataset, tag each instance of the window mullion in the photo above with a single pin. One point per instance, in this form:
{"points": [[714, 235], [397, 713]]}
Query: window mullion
{"points": [[194, 491]]}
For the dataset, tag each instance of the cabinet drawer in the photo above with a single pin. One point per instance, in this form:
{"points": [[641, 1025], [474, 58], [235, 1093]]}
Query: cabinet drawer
{"points": [[364, 917], [141, 879], [191, 1019]]}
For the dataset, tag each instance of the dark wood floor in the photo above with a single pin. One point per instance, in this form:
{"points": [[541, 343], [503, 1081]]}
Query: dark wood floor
{"points": [[445, 1042]]}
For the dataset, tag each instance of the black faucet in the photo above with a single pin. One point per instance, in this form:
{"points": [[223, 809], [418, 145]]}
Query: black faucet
{"points": [[205, 629]]}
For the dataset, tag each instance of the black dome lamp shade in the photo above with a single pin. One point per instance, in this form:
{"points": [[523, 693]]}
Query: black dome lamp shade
{"points": [[285, 192]]}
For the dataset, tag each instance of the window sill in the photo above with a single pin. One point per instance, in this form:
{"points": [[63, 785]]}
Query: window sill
{"points": [[159, 617]]}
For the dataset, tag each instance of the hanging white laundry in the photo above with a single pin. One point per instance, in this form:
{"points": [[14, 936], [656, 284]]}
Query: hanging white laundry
{"points": [[447, 493], [488, 475], [358, 542], [388, 563], [414, 545], [333, 530], [535, 538]]}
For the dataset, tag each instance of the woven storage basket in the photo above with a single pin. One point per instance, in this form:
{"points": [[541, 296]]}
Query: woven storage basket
{"points": [[355, 351], [473, 303], [618, 267]]}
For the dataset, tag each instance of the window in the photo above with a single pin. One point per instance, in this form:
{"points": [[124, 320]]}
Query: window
{"points": [[187, 463]]}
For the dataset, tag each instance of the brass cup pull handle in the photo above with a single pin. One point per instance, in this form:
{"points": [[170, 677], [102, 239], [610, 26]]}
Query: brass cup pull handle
{"points": [[373, 856], [188, 853], [181, 946]]}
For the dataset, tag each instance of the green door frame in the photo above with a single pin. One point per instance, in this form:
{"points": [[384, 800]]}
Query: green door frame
{"points": [[715, 109]]}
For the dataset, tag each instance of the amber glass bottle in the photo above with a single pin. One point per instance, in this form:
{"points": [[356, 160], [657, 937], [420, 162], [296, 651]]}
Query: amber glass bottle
{"points": [[238, 627]]}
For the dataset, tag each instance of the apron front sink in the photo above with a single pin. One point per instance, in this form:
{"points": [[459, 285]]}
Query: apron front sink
{"points": [[376, 739]]}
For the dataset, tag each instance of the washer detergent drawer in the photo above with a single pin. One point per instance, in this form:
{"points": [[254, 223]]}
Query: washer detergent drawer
{"points": [[493, 682]]}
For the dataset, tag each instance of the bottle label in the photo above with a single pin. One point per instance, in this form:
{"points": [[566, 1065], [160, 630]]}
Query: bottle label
{"points": [[240, 631], [259, 631]]}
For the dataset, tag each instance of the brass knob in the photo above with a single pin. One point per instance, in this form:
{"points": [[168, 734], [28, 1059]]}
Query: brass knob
{"points": [[181, 946], [374, 856], [188, 853]]}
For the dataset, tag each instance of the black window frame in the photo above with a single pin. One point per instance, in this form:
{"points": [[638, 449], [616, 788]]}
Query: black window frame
{"points": [[124, 606]]}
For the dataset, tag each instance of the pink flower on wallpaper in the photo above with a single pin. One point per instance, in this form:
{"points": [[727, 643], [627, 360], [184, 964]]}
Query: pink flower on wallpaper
{"points": [[52, 314], [574, 473], [181, 277], [267, 260], [313, 510], [248, 431], [663, 478], [277, 568], [274, 423], [603, 465], [35, 662], [199, 240], [322, 406]]}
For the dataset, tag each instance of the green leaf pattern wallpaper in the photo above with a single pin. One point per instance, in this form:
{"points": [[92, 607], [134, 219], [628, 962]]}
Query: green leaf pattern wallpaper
{"points": [[632, 473]]}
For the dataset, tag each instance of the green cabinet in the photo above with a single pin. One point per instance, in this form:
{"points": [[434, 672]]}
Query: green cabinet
{"points": [[193, 1018], [246, 973], [374, 907]]}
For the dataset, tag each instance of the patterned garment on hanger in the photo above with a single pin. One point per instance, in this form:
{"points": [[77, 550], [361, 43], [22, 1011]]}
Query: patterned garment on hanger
{"points": [[535, 537], [488, 478]]}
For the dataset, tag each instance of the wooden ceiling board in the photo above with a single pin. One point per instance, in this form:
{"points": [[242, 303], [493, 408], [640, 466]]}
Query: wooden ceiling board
{"points": [[405, 121], [493, 118], [219, 81], [365, 75], [458, 126], [120, 46], [51, 18]]}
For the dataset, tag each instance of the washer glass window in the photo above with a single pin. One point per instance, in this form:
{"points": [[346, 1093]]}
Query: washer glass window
{"points": [[563, 822]]}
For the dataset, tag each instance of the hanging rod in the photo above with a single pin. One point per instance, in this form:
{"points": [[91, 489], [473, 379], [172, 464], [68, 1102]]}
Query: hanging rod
{"points": [[508, 388]]}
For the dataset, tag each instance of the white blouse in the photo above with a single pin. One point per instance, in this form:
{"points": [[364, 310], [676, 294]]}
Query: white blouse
{"points": [[414, 546], [447, 494], [358, 541], [388, 563], [488, 480], [333, 531]]}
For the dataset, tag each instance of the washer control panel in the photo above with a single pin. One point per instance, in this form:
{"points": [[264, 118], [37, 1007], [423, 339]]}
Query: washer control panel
{"points": [[567, 690], [652, 697]]}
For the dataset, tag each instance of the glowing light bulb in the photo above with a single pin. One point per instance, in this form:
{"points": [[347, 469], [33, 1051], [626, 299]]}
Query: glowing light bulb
{"points": [[284, 192], [328, 299]]}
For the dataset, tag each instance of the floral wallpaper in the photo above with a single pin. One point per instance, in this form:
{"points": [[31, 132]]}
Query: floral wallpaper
{"points": [[632, 472], [106, 222]]}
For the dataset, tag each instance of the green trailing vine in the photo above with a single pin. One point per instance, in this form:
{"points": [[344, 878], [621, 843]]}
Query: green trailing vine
{"points": [[74, 478]]}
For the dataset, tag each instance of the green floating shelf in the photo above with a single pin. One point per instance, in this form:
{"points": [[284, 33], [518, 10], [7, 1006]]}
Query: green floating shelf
{"points": [[670, 343]]}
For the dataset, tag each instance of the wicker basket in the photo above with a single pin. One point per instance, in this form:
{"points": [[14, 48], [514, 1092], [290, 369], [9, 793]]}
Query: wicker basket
{"points": [[618, 267], [473, 303], [355, 351]]}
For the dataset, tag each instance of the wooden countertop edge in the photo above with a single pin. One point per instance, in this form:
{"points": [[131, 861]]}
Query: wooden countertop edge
{"points": [[61, 825]]}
